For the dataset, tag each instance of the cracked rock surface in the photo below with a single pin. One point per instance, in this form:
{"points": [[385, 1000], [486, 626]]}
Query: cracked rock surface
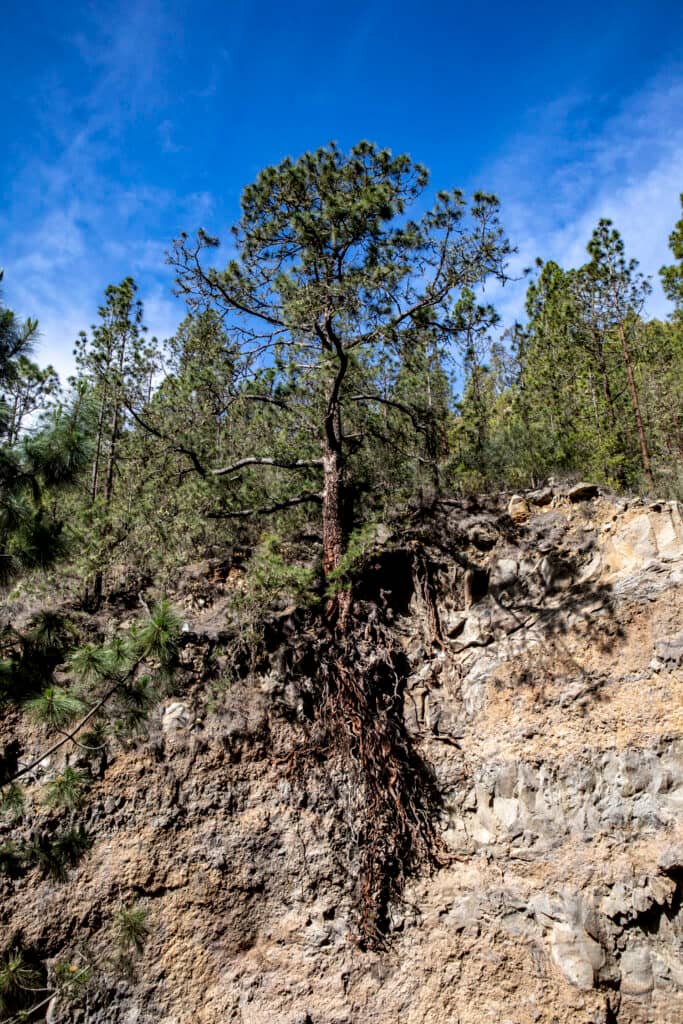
{"points": [[552, 715]]}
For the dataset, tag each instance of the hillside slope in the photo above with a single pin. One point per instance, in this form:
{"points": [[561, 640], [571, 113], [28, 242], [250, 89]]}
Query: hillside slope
{"points": [[544, 677]]}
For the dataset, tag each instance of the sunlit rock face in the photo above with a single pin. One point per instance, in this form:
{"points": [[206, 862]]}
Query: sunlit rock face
{"points": [[551, 713]]}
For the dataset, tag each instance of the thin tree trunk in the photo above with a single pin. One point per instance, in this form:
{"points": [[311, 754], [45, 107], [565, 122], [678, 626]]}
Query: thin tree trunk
{"points": [[13, 431], [609, 402], [111, 460], [606, 386], [432, 438], [95, 477], [98, 586], [644, 451], [111, 463], [596, 414], [333, 510], [94, 488]]}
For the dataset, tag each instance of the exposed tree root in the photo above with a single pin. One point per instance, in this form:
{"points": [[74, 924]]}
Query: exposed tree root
{"points": [[424, 585], [363, 710], [360, 681]]}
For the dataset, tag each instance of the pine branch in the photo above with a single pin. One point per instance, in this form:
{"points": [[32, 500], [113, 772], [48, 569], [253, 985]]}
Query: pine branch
{"points": [[266, 510], [69, 735], [394, 405], [181, 449]]}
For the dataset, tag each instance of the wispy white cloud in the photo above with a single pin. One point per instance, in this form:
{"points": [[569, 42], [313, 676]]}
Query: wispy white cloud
{"points": [[558, 180], [71, 227]]}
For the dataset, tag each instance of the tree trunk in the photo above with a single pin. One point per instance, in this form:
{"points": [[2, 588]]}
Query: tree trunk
{"points": [[333, 509], [334, 497], [604, 377], [13, 433], [644, 451], [94, 489], [95, 476], [111, 465], [111, 458], [617, 433]]}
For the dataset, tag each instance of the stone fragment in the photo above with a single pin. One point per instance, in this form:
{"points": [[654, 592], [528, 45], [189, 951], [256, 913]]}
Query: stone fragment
{"points": [[616, 903], [576, 954], [553, 573], [176, 716], [590, 571], [483, 535], [582, 491], [636, 972], [672, 858], [542, 496], [669, 650], [518, 508], [503, 574]]}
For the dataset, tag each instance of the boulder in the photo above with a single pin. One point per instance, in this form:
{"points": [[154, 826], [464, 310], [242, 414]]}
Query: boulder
{"points": [[541, 496], [518, 508], [483, 536], [583, 491], [641, 536]]}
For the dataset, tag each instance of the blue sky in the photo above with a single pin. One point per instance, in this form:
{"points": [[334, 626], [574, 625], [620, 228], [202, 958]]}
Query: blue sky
{"points": [[124, 123]]}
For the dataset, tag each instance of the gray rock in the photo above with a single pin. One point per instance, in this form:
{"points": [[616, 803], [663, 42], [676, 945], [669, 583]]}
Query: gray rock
{"points": [[542, 496], [636, 972], [669, 650], [503, 574], [672, 858], [576, 954], [483, 536], [583, 491]]}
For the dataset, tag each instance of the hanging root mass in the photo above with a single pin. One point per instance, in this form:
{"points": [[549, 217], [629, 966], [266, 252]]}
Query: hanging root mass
{"points": [[362, 679]]}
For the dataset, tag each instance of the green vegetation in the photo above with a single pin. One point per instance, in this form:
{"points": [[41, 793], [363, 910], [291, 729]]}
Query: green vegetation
{"points": [[337, 376], [132, 927], [337, 370], [18, 979]]}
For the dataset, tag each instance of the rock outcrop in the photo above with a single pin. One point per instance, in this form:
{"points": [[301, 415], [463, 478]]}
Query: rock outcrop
{"points": [[551, 712]]}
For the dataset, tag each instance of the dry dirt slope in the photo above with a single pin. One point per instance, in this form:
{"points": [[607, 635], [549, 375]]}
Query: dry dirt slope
{"points": [[552, 717]]}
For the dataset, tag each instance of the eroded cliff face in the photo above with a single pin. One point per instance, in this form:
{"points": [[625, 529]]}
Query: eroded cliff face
{"points": [[550, 712]]}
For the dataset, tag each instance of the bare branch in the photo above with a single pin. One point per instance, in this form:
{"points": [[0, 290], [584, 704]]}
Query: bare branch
{"points": [[265, 510], [265, 461], [181, 449], [393, 405]]}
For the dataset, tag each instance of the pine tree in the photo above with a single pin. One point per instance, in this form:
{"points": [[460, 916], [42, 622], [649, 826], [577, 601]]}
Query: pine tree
{"points": [[623, 292], [672, 275], [32, 463], [330, 277], [117, 366], [578, 365], [474, 324]]}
